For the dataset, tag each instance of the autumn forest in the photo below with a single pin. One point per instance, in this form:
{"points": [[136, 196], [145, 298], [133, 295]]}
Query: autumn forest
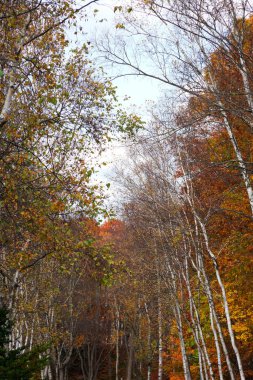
{"points": [[147, 275]]}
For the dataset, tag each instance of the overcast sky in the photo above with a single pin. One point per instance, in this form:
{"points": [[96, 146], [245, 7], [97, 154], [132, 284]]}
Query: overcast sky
{"points": [[141, 91]]}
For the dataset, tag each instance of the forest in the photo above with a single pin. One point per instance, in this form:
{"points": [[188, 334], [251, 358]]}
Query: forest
{"points": [[159, 285]]}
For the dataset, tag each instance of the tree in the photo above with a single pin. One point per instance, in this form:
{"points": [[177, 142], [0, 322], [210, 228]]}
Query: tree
{"points": [[190, 36], [56, 108], [19, 364]]}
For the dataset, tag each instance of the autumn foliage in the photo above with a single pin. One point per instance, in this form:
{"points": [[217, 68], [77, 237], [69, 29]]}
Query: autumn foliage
{"points": [[163, 290]]}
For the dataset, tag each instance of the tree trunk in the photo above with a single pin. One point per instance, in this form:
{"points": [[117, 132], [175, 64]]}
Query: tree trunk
{"points": [[225, 302], [149, 344], [200, 341], [160, 335], [130, 357], [189, 195], [117, 342], [177, 313]]}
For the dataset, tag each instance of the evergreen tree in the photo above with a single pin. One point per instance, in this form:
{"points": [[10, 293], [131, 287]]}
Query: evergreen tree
{"points": [[18, 364]]}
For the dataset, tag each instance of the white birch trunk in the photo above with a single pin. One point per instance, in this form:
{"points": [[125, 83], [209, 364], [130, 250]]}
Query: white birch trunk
{"points": [[189, 195], [245, 78], [7, 102], [177, 312], [197, 325], [160, 336], [242, 63], [241, 163], [149, 343], [224, 297], [242, 166], [159, 315], [213, 314], [199, 269], [4, 114], [223, 291], [117, 342]]}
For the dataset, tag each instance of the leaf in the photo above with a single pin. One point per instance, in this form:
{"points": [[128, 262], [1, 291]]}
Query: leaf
{"points": [[41, 100], [52, 101], [117, 8], [120, 26], [1, 73]]}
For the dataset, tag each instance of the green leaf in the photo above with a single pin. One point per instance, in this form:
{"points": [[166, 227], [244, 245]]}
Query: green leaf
{"points": [[117, 8], [41, 100], [52, 101], [1, 73], [120, 26]]}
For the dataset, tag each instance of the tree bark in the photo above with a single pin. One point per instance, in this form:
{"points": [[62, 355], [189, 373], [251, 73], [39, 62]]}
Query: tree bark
{"points": [[130, 357]]}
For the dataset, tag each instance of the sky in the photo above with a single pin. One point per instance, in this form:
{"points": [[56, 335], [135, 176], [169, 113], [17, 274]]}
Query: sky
{"points": [[141, 92]]}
